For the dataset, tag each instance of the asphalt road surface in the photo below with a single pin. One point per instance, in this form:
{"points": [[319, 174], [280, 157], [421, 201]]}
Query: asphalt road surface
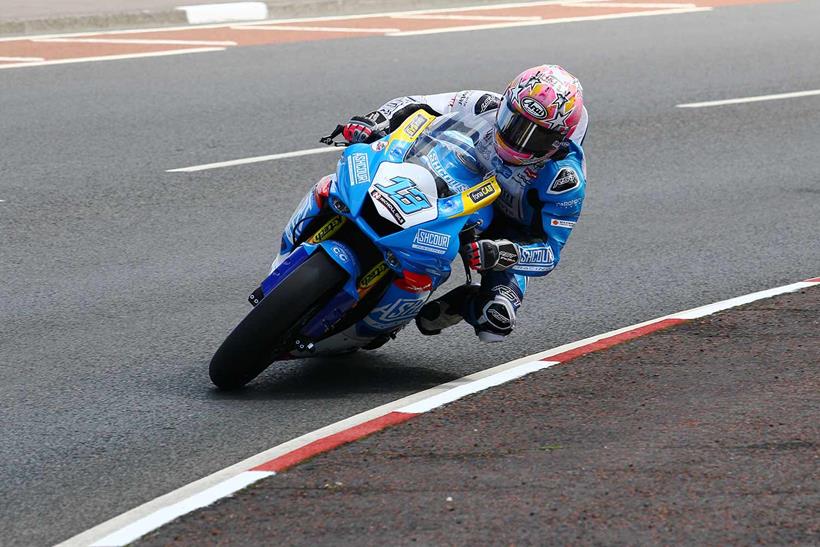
{"points": [[119, 280]]}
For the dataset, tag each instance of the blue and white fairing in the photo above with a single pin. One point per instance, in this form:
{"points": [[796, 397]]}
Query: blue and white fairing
{"points": [[399, 179]]}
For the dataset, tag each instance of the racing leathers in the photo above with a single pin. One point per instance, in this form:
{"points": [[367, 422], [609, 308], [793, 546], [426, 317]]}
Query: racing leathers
{"points": [[538, 207]]}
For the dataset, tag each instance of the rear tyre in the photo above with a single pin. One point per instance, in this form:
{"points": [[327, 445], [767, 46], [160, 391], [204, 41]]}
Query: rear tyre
{"points": [[264, 333]]}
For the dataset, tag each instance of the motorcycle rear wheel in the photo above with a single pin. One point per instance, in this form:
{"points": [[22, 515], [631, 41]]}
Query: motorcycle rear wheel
{"points": [[263, 334]]}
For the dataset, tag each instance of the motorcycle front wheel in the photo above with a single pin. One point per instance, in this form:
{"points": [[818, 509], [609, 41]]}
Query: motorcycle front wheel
{"points": [[264, 333]]}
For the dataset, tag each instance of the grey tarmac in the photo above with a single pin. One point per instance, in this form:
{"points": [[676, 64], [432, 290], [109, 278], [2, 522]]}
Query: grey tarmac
{"points": [[119, 280], [705, 433]]}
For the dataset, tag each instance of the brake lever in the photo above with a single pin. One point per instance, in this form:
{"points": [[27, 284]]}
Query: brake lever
{"points": [[329, 139]]}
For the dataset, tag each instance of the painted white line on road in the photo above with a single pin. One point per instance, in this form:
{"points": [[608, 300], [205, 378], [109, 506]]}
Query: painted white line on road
{"points": [[153, 521], [629, 5], [256, 159], [759, 98], [550, 21], [224, 13], [114, 57], [469, 17], [134, 41], [416, 403], [314, 29], [20, 59]]}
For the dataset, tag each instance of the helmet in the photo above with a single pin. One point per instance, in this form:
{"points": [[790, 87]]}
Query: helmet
{"points": [[540, 109]]}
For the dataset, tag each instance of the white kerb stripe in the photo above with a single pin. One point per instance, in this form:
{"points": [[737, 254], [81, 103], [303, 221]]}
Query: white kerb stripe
{"points": [[256, 159], [740, 300], [315, 29], [475, 386], [776, 97], [133, 531]]}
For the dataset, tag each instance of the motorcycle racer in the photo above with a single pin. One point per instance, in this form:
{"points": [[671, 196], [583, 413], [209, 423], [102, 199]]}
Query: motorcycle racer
{"points": [[535, 150]]}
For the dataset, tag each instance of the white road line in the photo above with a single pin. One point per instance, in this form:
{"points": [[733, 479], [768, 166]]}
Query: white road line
{"points": [[647, 5], [468, 17], [759, 98], [20, 59], [256, 159], [549, 21], [314, 29], [114, 57], [135, 41], [136, 521]]}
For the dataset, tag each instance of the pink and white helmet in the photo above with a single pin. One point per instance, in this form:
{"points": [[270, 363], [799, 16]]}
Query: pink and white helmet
{"points": [[540, 109]]}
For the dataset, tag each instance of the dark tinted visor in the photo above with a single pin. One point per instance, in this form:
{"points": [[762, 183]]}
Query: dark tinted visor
{"points": [[524, 135]]}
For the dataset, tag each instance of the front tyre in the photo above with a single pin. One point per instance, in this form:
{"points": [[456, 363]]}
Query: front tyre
{"points": [[264, 332]]}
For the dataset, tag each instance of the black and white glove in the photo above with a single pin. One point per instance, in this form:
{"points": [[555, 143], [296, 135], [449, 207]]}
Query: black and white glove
{"points": [[365, 129], [490, 254]]}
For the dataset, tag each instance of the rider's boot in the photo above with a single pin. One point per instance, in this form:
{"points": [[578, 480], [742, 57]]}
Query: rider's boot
{"points": [[446, 311]]}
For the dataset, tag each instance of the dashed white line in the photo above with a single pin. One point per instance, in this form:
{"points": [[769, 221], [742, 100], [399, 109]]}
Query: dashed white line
{"points": [[256, 159], [776, 97]]}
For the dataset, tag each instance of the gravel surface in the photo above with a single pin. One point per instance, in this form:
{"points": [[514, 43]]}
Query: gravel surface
{"points": [[706, 433]]}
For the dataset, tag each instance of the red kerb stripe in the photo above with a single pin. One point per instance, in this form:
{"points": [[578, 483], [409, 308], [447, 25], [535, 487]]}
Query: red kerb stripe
{"points": [[814, 280], [604, 343], [332, 441]]}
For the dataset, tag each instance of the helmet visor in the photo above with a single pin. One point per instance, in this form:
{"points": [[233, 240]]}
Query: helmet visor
{"points": [[524, 135]]}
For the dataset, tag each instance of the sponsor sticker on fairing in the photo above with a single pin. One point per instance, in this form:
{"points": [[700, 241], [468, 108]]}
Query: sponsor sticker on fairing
{"points": [[482, 192], [415, 125], [359, 168], [562, 223], [432, 242]]}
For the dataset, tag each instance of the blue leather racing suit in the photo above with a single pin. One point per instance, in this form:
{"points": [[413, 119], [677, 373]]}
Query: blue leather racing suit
{"points": [[537, 210]]}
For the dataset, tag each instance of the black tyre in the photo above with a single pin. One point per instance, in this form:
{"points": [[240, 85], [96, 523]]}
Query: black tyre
{"points": [[264, 333]]}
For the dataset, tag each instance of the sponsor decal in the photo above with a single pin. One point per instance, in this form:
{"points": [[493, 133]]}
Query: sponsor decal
{"points": [[570, 203], [463, 98], [535, 260], [564, 181], [394, 314], [562, 223], [482, 192], [432, 242], [388, 203], [369, 279], [378, 146], [486, 102], [394, 105], [508, 293], [415, 125], [359, 168], [533, 108], [331, 227], [338, 251]]}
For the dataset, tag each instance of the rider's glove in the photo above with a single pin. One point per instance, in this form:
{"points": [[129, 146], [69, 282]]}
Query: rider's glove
{"points": [[367, 128], [489, 254]]}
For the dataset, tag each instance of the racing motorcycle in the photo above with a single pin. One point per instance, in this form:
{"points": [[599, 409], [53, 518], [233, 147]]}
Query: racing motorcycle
{"points": [[366, 247]]}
